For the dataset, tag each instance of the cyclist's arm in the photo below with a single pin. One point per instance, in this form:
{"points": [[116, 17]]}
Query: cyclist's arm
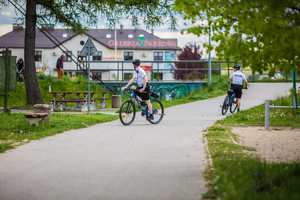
{"points": [[229, 80], [145, 82], [246, 82], [128, 84]]}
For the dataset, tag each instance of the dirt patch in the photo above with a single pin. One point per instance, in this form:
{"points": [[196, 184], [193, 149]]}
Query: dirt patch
{"points": [[274, 145]]}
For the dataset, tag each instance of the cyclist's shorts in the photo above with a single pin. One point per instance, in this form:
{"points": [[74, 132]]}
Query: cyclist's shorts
{"points": [[238, 90], [145, 94]]}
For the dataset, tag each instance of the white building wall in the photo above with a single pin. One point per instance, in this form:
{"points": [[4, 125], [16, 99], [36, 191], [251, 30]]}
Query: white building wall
{"points": [[108, 68]]}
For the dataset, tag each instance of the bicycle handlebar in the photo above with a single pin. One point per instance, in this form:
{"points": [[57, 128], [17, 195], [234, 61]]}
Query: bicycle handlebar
{"points": [[134, 90]]}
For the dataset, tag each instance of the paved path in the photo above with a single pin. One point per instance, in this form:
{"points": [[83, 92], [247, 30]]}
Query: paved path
{"points": [[110, 161]]}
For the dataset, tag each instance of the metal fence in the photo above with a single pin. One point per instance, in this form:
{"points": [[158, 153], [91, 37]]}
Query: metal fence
{"points": [[188, 70]]}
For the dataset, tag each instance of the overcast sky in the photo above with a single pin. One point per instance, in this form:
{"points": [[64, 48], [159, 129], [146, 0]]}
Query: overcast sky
{"points": [[8, 14]]}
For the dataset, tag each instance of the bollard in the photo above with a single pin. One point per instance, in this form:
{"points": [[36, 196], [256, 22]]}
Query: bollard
{"points": [[267, 105], [116, 101]]}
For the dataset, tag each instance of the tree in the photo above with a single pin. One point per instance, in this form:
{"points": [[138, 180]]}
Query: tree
{"points": [[258, 33], [190, 52], [80, 15], [33, 93]]}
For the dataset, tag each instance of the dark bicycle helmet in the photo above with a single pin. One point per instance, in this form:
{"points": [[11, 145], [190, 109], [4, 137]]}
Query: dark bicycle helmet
{"points": [[237, 66], [136, 62]]}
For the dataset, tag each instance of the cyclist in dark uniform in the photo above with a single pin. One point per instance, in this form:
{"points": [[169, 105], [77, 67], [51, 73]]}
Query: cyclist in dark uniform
{"points": [[143, 86], [237, 78]]}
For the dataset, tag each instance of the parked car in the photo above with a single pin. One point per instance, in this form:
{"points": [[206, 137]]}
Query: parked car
{"points": [[264, 76], [277, 76]]}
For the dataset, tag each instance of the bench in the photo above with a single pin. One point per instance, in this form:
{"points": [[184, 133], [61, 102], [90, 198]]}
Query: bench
{"points": [[77, 101], [35, 118], [63, 101]]}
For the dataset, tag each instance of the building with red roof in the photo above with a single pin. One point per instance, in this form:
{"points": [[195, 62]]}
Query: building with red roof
{"points": [[115, 50]]}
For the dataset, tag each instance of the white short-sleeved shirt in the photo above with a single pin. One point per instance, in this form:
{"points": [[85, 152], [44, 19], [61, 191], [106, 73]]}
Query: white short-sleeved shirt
{"points": [[139, 75], [237, 77]]}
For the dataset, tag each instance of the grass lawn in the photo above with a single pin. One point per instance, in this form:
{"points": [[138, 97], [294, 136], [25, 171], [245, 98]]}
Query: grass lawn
{"points": [[235, 175], [15, 129]]}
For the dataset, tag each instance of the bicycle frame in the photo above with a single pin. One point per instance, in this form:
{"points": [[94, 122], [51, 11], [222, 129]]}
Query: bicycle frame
{"points": [[139, 104], [230, 99]]}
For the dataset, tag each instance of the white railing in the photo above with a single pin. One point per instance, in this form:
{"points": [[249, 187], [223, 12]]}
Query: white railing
{"points": [[267, 110]]}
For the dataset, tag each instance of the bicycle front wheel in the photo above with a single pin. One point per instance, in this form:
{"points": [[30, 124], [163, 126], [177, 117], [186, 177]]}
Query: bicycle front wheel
{"points": [[225, 105], [127, 112], [233, 105], [157, 111]]}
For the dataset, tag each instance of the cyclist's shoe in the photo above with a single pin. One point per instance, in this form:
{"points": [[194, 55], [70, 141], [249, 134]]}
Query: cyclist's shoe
{"points": [[238, 110], [149, 117]]}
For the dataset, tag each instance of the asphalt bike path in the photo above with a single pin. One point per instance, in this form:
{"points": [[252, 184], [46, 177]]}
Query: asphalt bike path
{"points": [[111, 161]]}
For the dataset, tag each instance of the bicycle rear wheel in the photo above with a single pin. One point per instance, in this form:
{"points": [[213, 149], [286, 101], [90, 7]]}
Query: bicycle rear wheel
{"points": [[225, 105], [157, 111], [127, 112], [233, 105]]}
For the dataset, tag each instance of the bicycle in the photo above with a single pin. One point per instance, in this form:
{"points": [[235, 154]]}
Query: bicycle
{"points": [[230, 101], [128, 109]]}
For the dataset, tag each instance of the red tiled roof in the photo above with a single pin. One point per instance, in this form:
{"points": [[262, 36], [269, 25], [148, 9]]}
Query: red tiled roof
{"points": [[15, 39]]}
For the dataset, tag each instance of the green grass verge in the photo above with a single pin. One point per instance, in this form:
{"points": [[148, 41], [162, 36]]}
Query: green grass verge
{"points": [[235, 175], [256, 115], [16, 130]]}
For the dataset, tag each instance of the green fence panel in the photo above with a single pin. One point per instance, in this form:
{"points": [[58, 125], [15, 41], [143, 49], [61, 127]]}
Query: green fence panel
{"points": [[12, 73]]}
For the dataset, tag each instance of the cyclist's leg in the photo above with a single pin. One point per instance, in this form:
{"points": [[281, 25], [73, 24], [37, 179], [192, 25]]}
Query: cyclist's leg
{"points": [[149, 106], [238, 103], [238, 95], [139, 95], [145, 97]]}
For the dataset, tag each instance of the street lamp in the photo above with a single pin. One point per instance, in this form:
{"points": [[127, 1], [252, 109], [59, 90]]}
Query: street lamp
{"points": [[209, 59], [209, 54]]}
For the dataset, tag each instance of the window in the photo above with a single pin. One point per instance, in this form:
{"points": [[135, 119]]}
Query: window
{"points": [[97, 75], [68, 56], [38, 56], [128, 55], [158, 56], [97, 55], [70, 74], [157, 76], [128, 76], [81, 58]]}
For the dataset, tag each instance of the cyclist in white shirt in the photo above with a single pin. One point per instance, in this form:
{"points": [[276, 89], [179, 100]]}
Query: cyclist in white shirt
{"points": [[143, 86], [237, 78]]}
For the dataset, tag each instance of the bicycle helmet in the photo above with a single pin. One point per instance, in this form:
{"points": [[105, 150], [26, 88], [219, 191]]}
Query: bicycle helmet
{"points": [[237, 66], [136, 62]]}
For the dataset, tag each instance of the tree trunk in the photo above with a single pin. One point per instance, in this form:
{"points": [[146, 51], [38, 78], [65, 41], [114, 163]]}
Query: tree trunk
{"points": [[33, 93]]}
